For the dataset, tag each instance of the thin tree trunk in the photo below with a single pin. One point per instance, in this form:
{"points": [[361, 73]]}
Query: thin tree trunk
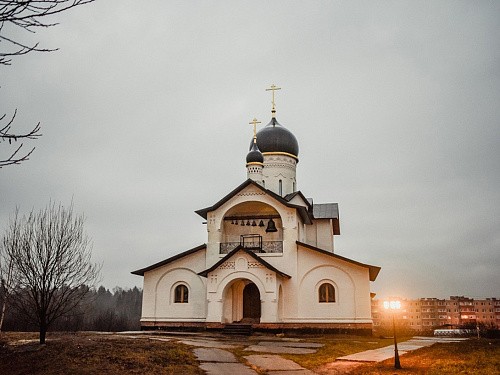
{"points": [[7, 288], [43, 332], [2, 314]]}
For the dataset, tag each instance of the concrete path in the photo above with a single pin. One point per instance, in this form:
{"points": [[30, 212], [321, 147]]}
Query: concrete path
{"points": [[214, 355], [381, 354], [217, 361], [275, 349], [276, 365], [226, 369], [207, 344]]}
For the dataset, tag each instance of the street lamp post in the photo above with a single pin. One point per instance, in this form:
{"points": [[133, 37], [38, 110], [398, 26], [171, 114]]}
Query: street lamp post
{"points": [[394, 306]]}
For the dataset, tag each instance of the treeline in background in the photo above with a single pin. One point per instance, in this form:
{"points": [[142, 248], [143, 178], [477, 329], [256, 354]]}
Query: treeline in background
{"points": [[100, 310]]}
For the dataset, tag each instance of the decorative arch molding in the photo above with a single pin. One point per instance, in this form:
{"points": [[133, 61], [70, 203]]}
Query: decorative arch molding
{"points": [[175, 269], [281, 303], [226, 282], [341, 269], [273, 205]]}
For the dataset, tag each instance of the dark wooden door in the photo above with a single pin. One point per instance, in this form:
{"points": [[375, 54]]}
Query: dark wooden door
{"points": [[251, 302]]}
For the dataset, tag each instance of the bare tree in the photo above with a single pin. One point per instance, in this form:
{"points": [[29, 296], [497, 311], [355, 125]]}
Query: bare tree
{"points": [[51, 259]]}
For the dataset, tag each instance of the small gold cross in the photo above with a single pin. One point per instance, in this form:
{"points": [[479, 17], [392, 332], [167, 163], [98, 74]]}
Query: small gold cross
{"points": [[254, 122], [273, 88]]}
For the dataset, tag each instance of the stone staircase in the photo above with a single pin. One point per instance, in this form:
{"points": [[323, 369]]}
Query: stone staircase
{"points": [[237, 329]]}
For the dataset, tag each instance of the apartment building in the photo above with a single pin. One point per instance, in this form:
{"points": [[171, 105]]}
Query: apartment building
{"points": [[425, 314]]}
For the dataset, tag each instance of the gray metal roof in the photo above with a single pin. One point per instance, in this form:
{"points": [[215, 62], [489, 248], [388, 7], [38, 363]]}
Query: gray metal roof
{"points": [[326, 211]]}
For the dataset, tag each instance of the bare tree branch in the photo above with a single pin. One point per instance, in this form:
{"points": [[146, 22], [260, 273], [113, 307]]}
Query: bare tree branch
{"points": [[29, 15], [6, 135]]}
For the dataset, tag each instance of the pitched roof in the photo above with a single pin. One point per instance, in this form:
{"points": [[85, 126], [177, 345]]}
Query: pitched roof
{"points": [[303, 211], [169, 260], [290, 196], [326, 211], [373, 270], [252, 254]]}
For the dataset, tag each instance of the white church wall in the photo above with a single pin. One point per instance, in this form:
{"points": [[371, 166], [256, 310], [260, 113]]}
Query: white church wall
{"points": [[324, 234], [320, 234], [311, 234], [159, 286], [344, 305], [291, 298], [352, 289]]}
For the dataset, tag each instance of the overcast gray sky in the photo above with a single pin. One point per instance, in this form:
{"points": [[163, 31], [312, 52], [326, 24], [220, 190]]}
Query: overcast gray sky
{"points": [[145, 109]]}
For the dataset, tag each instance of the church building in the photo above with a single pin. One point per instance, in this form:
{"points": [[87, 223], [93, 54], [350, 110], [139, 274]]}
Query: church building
{"points": [[269, 261]]}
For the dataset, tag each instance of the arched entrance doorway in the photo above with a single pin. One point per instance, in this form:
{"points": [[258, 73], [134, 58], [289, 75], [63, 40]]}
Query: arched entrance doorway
{"points": [[241, 302], [251, 303]]}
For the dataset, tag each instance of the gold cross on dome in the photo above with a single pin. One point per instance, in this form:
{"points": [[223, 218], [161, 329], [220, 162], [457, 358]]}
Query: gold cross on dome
{"points": [[273, 88], [254, 122]]}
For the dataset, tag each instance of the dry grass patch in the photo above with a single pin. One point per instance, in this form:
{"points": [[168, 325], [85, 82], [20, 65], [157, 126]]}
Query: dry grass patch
{"points": [[467, 357], [93, 354], [336, 346]]}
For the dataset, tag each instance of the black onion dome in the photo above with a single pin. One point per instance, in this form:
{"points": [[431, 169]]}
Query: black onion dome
{"points": [[276, 138], [255, 156]]}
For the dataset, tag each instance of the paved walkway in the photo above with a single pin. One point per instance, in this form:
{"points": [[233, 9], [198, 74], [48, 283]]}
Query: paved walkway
{"points": [[217, 361], [216, 358], [381, 354]]}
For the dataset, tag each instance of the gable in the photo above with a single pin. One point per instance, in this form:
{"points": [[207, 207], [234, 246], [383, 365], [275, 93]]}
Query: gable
{"points": [[303, 211], [248, 252], [299, 199]]}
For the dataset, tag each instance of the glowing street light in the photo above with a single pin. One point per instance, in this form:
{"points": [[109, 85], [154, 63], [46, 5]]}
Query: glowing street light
{"points": [[394, 306]]}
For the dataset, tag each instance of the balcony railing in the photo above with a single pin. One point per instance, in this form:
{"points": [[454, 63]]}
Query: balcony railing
{"points": [[257, 246]]}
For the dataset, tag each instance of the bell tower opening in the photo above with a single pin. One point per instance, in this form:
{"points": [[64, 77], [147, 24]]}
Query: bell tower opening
{"points": [[253, 225]]}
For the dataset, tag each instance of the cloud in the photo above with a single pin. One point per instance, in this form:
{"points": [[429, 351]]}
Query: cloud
{"points": [[145, 111]]}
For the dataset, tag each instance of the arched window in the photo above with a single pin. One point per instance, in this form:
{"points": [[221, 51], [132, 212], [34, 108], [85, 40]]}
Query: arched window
{"points": [[326, 293], [181, 294]]}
